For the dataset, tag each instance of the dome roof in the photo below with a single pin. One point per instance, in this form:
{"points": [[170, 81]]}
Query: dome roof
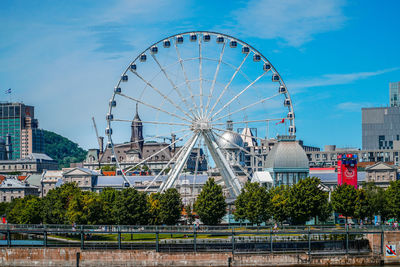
{"points": [[288, 155], [227, 140]]}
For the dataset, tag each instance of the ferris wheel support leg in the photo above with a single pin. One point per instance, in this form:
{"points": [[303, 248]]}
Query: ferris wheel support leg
{"points": [[230, 179], [181, 161]]}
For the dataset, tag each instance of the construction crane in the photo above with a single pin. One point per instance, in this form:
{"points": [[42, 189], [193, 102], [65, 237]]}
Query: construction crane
{"points": [[100, 139]]}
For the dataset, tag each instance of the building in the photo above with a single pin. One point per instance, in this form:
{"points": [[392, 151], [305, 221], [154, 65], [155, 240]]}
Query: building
{"points": [[84, 178], [380, 128], [381, 174], [394, 93], [330, 178], [287, 162], [329, 156], [33, 163], [50, 180], [18, 121], [155, 155], [12, 188]]}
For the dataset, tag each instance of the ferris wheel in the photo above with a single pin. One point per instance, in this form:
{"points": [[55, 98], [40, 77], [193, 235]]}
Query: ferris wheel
{"points": [[210, 92]]}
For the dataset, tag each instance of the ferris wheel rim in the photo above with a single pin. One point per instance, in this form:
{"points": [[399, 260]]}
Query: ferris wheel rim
{"points": [[243, 43]]}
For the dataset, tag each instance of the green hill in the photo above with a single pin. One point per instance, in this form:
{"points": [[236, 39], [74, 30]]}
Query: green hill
{"points": [[62, 149]]}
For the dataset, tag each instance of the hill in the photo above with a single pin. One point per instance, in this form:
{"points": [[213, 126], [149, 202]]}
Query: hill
{"points": [[62, 149]]}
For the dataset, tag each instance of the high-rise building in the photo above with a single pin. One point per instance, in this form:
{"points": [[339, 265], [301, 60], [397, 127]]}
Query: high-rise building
{"points": [[380, 127], [394, 93], [18, 121]]}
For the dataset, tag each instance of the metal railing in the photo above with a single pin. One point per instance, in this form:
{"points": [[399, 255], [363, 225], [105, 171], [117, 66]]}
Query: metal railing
{"points": [[225, 238]]}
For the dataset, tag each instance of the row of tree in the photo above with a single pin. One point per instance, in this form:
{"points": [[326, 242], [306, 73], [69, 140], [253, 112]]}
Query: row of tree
{"points": [[295, 204], [68, 204], [305, 200]]}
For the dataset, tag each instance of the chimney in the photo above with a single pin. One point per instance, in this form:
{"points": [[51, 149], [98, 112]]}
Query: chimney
{"points": [[173, 139], [229, 125]]}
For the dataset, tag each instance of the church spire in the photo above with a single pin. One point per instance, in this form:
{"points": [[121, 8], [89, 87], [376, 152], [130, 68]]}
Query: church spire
{"points": [[137, 133]]}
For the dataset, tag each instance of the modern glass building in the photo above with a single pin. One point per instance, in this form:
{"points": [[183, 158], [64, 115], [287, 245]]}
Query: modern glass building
{"points": [[17, 120], [394, 94], [380, 127]]}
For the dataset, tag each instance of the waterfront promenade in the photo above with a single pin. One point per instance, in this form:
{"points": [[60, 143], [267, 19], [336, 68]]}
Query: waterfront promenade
{"points": [[189, 245]]}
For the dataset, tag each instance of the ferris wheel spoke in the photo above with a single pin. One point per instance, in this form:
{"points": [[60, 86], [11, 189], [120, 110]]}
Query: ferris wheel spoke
{"points": [[239, 94], [174, 87], [149, 138], [156, 153], [154, 107], [225, 130], [196, 169], [215, 76], [186, 78], [160, 93], [246, 107], [237, 146], [166, 166], [201, 79], [180, 162], [228, 84], [155, 122]]}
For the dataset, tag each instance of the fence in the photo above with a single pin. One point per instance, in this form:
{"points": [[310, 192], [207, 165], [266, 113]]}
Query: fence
{"points": [[262, 239]]}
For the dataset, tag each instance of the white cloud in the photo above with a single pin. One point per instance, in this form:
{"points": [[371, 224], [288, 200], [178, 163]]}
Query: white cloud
{"points": [[351, 106], [334, 79], [294, 21]]}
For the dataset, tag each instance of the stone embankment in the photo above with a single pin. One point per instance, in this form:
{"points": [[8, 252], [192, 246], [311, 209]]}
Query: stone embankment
{"points": [[68, 257]]}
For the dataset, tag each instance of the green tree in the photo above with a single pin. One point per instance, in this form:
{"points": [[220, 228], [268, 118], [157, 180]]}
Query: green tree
{"points": [[279, 203], [344, 199], [108, 197], [306, 200], [210, 204], [55, 204], [85, 208], [377, 201], [393, 199], [170, 206], [130, 207], [363, 207], [25, 210], [154, 208], [252, 204]]}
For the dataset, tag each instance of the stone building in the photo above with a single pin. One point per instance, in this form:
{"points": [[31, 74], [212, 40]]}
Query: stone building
{"points": [[11, 188], [381, 174], [84, 178], [33, 163]]}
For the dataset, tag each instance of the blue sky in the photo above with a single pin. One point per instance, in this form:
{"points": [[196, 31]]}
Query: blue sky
{"points": [[64, 57]]}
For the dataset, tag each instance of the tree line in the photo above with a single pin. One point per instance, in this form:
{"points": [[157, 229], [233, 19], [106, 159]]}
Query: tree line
{"points": [[256, 204], [305, 200]]}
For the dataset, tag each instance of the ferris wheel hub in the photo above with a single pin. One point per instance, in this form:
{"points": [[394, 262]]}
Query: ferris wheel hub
{"points": [[201, 125]]}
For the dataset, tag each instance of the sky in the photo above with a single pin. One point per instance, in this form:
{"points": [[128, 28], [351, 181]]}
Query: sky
{"points": [[64, 57]]}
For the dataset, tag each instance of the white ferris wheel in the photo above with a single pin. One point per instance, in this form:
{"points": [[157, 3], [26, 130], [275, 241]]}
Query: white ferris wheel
{"points": [[202, 88]]}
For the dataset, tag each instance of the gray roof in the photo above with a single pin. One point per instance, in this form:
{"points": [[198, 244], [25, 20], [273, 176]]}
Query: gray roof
{"points": [[119, 181], [331, 177], [86, 170], [287, 155], [228, 140], [14, 183], [38, 156], [34, 179]]}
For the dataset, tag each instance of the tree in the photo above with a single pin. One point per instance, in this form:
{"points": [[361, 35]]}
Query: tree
{"points": [[363, 207], [344, 199], [130, 207], [85, 208], [210, 204], [252, 204], [306, 200], [55, 204], [108, 197], [154, 208], [279, 202], [393, 199], [25, 210], [170, 206], [377, 201]]}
